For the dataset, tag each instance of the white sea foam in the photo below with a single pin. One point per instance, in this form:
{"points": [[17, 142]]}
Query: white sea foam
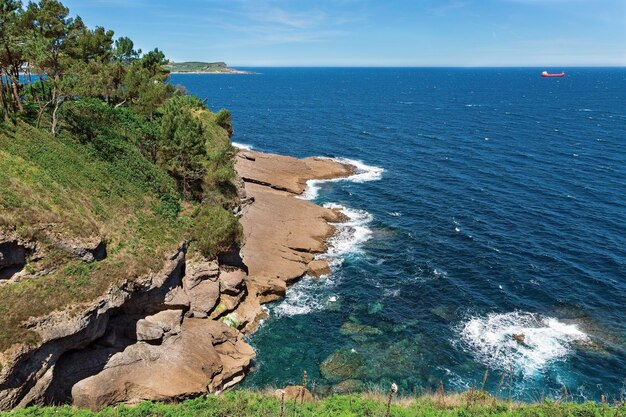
{"points": [[242, 146], [490, 340], [307, 295], [299, 300], [363, 173], [349, 235]]}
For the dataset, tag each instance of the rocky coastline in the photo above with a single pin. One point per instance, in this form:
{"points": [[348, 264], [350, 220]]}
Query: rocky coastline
{"points": [[179, 332]]}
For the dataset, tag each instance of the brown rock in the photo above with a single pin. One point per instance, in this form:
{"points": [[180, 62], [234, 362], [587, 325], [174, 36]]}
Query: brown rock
{"points": [[27, 369], [177, 297], [232, 281], [148, 331], [89, 250], [319, 267], [227, 304], [168, 320], [181, 367], [519, 338], [203, 298], [198, 270], [282, 233], [285, 172], [294, 392]]}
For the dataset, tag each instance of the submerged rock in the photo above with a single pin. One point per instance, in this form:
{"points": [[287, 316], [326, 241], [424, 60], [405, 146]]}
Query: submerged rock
{"points": [[375, 308], [352, 329], [342, 365]]}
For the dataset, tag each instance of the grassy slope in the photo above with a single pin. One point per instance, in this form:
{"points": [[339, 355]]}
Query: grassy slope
{"points": [[69, 190], [242, 403]]}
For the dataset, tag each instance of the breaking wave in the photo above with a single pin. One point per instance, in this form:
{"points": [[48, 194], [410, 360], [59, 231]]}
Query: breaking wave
{"points": [[363, 173], [243, 146], [523, 341]]}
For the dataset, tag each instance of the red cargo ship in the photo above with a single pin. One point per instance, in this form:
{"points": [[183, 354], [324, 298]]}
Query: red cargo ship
{"points": [[547, 74]]}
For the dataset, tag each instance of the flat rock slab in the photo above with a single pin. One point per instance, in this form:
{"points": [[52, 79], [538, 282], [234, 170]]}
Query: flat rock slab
{"points": [[285, 172], [283, 233]]}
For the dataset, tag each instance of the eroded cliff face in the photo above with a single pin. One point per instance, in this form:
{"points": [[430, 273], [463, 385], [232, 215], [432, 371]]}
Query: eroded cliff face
{"points": [[179, 332], [169, 335]]}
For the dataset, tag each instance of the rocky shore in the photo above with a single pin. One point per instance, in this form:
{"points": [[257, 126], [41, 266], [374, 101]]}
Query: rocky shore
{"points": [[179, 332], [283, 233]]}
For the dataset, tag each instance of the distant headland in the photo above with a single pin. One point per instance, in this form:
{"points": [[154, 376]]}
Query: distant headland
{"points": [[202, 68]]}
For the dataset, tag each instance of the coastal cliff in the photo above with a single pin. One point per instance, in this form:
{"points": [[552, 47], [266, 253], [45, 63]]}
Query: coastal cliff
{"points": [[177, 332]]}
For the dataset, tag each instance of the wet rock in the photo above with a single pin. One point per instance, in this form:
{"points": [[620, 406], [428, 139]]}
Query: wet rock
{"points": [[519, 338], [375, 308], [319, 267]]}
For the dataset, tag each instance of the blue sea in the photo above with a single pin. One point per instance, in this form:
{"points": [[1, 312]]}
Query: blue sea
{"points": [[487, 227]]}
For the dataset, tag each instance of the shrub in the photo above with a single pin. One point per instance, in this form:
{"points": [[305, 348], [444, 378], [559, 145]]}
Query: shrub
{"points": [[216, 230]]}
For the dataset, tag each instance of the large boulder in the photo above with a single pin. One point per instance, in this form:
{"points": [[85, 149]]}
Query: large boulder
{"points": [[319, 267], [294, 392], [154, 327], [232, 281], [203, 298], [205, 357], [198, 270]]}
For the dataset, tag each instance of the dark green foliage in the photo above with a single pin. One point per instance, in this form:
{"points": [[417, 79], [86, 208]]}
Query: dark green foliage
{"points": [[182, 149], [224, 119], [124, 52], [114, 135], [215, 230]]}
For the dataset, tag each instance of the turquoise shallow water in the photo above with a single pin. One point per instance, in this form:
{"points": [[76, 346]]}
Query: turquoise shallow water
{"points": [[491, 203]]}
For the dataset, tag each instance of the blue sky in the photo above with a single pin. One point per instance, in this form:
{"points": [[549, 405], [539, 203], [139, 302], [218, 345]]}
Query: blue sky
{"points": [[543, 33]]}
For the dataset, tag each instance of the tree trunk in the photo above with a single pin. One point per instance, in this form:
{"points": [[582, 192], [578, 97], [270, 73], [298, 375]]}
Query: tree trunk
{"points": [[3, 99], [55, 117], [41, 111], [16, 94]]}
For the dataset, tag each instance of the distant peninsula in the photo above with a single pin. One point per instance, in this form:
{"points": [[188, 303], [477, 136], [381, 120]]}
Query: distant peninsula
{"points": [[202, 68]]}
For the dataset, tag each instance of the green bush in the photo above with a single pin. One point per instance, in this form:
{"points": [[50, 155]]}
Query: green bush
{"points": [[215, 230]]}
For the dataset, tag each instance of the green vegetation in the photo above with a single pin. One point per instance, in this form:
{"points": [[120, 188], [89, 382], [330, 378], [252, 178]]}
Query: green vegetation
{"points": [[216, 230], [183, 67], [243, 403], [96, 144]]}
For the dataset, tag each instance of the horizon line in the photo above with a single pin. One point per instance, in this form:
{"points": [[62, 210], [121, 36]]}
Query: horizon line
{"points": [[415, 66]]}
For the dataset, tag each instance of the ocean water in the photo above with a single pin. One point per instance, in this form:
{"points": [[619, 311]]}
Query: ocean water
{"points": [[489, 203]]}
